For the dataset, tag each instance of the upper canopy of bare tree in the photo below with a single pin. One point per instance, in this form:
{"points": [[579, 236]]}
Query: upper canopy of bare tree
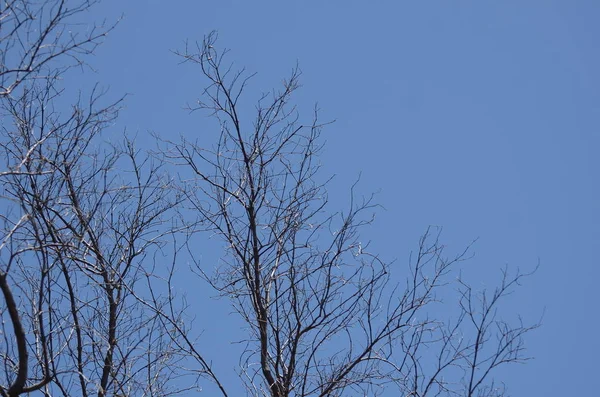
{"points": [[324, 317], [92, 233]]}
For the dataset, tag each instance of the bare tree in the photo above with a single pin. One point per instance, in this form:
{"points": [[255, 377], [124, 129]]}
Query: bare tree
{"points": [[92, 234], [83, 225], [324, 317]]}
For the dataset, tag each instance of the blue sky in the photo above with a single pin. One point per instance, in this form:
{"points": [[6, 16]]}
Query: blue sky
{"points": [[479, 116]]}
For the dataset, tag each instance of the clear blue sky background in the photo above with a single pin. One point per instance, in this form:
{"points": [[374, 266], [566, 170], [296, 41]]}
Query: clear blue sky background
{"points": [[480, 116]]}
